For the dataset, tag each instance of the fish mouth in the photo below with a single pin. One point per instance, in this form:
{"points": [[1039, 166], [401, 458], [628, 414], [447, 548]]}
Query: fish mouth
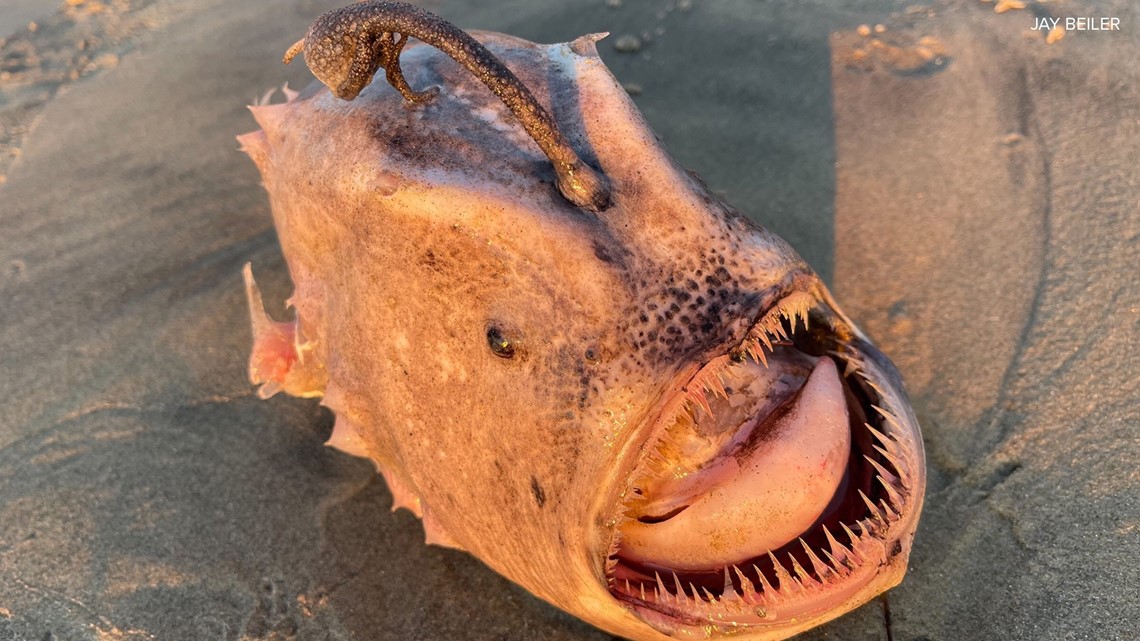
{"points": [[780, 485]]}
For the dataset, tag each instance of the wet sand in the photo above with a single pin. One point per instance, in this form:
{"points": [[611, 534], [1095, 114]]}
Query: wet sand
{"points": [[979, 217]]}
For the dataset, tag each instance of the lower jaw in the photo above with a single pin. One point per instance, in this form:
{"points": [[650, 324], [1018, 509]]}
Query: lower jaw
{"points": [[850, 555], [807, 605]]}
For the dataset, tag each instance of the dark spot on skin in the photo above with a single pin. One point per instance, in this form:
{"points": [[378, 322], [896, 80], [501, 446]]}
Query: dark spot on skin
{"points": [[602, 253], [501, 342], [592, 355], [896, 549], [539, 493], [897, 310]]}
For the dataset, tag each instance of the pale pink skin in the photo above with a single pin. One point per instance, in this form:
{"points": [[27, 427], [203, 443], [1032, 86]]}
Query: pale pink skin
{"points": [[409, 231]]}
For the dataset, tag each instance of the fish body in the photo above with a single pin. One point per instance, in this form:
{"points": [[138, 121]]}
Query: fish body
{"points": [[653, 416]]}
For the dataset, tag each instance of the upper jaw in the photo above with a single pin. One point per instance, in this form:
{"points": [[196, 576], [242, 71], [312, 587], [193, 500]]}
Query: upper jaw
{"points": [[834, 566]]}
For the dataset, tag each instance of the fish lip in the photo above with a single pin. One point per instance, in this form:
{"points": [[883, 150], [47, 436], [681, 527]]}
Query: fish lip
{"points": [[885, 549]]}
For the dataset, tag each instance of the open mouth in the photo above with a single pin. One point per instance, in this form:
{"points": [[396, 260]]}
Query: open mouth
{"points": [[778, 485]]}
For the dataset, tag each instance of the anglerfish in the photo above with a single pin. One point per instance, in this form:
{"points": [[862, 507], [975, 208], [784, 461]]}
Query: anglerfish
{"points": [[561, 350]]}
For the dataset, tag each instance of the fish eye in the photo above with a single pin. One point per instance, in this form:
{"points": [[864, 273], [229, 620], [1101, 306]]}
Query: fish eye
{"points": [[503, 343], [592, 355]]}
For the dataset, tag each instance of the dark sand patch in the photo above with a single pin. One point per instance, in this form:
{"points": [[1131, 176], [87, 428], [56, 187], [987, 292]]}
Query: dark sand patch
{"points": [[145, 494]]}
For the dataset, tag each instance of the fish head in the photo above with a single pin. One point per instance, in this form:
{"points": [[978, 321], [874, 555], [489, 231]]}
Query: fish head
{"points": [[654, 417]]}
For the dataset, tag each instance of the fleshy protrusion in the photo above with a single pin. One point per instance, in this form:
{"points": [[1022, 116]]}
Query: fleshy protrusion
{"points": [[402, 497], [270, 118], [346, 438], [276, 361], [434, 534], [255, 144], [587, 45]]}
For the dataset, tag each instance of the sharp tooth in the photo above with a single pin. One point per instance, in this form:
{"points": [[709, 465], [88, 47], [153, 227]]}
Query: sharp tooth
{"points": [[688, 412], [698, 397], [882, 438], [854, 554], [839, 568], [628, 589], [763, 337], [746, 586], [896, 498], [757, 353], [891, 515], [837, 548], [782, 574], [867, 526], [661, 591], [778, 330], [716, 385], [642, 586], [708, 595], [677, 583], [871, 506], [894, 461], [794, 319], [804, 578], [821, 568], [884, 475], [767, 591], [890, 418], [878, 389]]}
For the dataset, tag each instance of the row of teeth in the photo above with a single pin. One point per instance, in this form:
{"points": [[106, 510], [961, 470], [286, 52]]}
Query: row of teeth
{"points": [[840, 561], [770, 330], [760, 596], [769, 333]]}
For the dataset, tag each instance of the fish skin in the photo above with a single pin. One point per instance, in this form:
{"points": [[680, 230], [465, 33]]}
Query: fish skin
{"points": [[411, 231]]}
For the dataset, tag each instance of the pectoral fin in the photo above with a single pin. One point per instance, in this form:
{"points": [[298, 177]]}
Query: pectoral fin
{"points": [[277, 360]]}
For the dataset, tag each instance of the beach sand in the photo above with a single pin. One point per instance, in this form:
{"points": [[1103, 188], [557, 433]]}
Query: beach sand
{"points": [[971, 192]]}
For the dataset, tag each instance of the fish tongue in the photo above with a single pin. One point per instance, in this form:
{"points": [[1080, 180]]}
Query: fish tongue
{"points": [[763, 498]]}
